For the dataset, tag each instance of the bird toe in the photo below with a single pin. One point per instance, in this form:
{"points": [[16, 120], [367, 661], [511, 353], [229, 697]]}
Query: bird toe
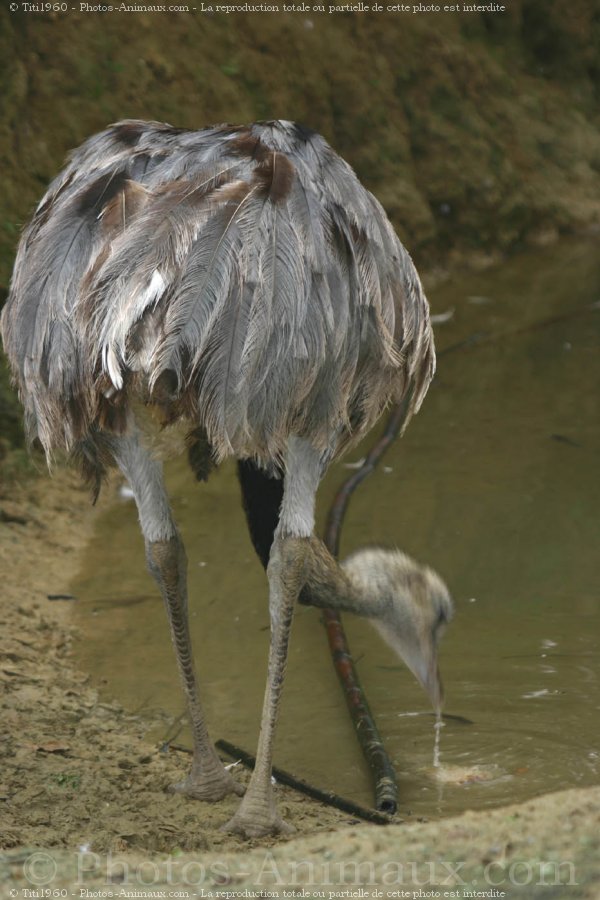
{"points": [[258, 825], [210, 789]]}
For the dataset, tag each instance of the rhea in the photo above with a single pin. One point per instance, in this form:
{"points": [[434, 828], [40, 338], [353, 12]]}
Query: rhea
{"points": [[239, 287]]}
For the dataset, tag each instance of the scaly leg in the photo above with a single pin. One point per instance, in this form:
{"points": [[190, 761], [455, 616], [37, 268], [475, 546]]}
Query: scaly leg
{"points": [[165, 555], [257, 814]]}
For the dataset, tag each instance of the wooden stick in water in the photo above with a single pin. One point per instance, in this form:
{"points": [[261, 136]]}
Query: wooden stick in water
{"points": [[303, 787], [369, 738]]}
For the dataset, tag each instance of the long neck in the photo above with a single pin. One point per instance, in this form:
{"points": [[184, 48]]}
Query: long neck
{"points": [[328, 586]]}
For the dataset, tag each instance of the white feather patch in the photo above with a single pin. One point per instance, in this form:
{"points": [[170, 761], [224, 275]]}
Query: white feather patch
{"points": [[111, 365], [155, 289]]}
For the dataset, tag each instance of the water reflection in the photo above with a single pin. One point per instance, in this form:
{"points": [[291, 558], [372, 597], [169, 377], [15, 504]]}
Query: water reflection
{"points": [[496, 485]]}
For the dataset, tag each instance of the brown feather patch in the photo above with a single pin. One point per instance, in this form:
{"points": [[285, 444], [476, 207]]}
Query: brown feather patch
{"points": [[124, 207], [234, 192], [111, 407], [275, 176], [128, 133], [249, 145], [100, 191], [93, 456], [200, 456]]}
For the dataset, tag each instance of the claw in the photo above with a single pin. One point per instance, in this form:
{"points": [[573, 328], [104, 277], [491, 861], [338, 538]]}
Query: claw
{"points": [[207, 788], [258, 826]]}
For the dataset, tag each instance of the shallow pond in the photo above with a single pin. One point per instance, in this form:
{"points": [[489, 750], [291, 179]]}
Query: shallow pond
{"points": [[496, 485]]}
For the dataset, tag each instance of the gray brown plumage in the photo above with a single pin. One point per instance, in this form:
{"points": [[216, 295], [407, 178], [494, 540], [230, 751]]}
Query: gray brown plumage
{"points": [[240, 277], [241, 282]]}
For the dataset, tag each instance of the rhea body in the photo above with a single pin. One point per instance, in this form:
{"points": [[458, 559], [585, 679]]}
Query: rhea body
{"points": [[240, 283]]}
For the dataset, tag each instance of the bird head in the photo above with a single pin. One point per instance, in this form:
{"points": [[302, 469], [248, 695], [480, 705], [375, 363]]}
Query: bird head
{"points": [[409, 605]]}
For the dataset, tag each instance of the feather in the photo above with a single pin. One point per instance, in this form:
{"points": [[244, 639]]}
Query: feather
{"points": [[240, 277]]}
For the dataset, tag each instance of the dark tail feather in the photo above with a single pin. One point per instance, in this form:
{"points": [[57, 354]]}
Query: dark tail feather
{"points": [[93, 456]]}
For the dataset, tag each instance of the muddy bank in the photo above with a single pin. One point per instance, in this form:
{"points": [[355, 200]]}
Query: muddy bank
{"points": [[80, 779]]}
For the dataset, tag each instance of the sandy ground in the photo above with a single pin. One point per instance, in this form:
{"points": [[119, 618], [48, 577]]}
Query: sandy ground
{"points": [[83, 804]]}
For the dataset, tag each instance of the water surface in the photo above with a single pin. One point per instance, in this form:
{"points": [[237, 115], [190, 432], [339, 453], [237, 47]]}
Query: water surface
{"points": [[496, 484]]}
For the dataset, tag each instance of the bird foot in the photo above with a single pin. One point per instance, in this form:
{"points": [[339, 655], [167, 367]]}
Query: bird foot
{"points": [[207, 787], [257, 821]]}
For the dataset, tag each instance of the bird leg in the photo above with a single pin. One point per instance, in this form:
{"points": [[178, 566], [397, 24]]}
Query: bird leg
{"points": [[257, 814], [165, 556], [208, 779]]}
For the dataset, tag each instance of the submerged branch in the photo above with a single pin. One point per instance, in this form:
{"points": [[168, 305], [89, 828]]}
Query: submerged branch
{"points": [[327, 797]]}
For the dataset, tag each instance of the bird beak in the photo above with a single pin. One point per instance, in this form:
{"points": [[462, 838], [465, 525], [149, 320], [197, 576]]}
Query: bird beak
{"points": [[434, 687], [424, 666], [419, 652]]}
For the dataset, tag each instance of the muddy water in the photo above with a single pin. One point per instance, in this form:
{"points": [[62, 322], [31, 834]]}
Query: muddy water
{"points": [[497, 486]]}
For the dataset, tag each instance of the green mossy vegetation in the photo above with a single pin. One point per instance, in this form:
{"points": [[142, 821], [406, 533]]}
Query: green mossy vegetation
{"points": [[479, 133]]}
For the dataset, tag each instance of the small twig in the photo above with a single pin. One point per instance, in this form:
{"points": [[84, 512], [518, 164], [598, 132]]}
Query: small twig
{"points": [[173, 731], [327, 797]]}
